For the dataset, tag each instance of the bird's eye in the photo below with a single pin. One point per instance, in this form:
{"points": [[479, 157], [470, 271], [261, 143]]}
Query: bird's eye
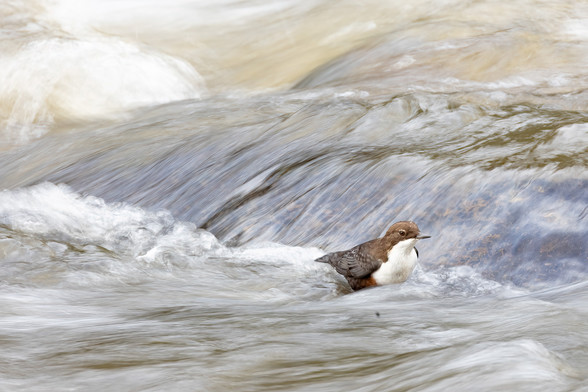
{"points": [[402, 232]]}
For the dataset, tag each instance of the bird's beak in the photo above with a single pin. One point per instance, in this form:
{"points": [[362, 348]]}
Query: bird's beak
{"points": [[422, 237]]}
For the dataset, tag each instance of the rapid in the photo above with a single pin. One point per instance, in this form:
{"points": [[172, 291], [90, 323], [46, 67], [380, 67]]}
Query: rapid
{"points": [[170, 170]]}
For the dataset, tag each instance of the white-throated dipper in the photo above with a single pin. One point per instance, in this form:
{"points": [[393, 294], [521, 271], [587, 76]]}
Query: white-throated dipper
{"points": [[385, 260]]}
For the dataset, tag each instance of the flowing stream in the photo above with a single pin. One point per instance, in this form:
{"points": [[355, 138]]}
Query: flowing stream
{"points": [[169, 170]]}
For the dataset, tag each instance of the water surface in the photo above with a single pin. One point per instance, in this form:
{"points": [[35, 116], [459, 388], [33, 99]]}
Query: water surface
{"points": [[171, 170]]}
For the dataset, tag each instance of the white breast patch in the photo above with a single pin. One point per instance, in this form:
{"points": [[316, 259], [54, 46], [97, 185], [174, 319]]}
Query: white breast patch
{"points": [[401, 261]]}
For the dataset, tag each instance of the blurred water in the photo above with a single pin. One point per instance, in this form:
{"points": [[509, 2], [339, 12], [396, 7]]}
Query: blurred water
{"points": [[171, 170]]}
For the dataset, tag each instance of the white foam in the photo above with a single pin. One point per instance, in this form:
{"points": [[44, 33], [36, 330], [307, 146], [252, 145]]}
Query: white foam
{"points": [[57, 213], [54, 218], [569, 140], [278, 252], [57, 78], [576, 28], [453, 281]]}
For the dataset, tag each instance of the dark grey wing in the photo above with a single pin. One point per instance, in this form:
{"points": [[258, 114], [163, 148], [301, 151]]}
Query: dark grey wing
{"points": [[352, 263]]}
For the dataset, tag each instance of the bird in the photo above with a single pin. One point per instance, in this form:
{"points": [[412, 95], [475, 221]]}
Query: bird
{"points": [[381, 261]]}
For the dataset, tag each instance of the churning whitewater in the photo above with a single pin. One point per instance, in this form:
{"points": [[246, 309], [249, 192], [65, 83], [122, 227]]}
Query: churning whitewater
{"points": [[170, 171]]}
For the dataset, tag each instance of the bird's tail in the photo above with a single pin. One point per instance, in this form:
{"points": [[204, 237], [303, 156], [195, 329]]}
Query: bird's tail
{"points": [[328, 259]]}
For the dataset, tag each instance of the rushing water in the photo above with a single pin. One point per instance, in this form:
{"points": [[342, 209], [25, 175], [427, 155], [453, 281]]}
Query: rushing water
{"points": [[171, 169]]}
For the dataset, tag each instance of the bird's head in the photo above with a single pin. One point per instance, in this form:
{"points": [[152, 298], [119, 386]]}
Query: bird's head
{"points": [[404, 231]]}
